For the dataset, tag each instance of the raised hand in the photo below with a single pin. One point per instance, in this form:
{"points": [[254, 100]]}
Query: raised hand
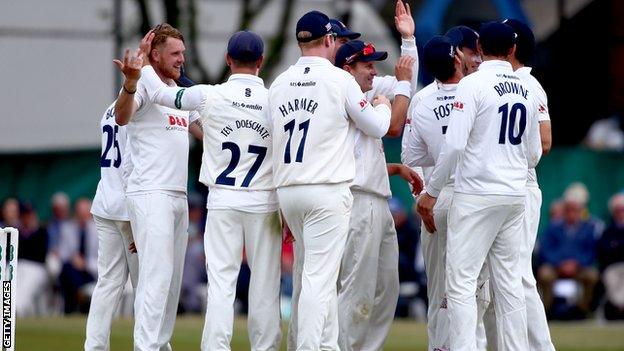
{"points": [[403, 20], [146, 46], [403, 69], [131, 64], [380, 99]]}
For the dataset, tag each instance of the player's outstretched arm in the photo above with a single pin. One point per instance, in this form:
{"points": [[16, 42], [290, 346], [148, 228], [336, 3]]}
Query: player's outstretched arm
{"points": [[408, 174], [130, 67], [403, 72]]}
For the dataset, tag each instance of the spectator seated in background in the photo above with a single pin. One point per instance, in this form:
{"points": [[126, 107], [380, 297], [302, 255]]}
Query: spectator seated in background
{"points": [[78, 252], [610, 251], [607, 134], [60, 219], [567, 250], [10, 213], [34, 280]]}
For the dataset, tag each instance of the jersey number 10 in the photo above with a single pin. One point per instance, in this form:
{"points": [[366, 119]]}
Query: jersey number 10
{"points": [[508, 123]]}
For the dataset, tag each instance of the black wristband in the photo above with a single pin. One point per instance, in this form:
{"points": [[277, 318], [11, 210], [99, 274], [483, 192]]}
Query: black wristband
{"points": [[123, 86]]}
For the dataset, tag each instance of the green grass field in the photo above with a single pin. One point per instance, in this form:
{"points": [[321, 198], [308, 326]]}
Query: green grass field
{"points": [[68, 334]]}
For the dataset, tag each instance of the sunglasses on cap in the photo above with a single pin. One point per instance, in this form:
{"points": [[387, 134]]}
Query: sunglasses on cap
{"points": [[368, 50]]}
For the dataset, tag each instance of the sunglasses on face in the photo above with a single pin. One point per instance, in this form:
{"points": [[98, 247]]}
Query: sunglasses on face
{"points": [[368, 50]]}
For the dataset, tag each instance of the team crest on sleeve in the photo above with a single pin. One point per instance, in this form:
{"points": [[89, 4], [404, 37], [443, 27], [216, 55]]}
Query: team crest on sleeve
{"points": [[458, 105], [542, 109]]}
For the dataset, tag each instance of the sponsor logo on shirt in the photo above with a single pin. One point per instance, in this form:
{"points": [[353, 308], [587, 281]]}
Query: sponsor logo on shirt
{"points": [[303, 84], [249, 106], [178, 123], [363, 103], [458, 105]]}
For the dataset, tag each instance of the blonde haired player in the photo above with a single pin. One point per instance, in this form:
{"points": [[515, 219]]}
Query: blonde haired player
{"points": [[242, 204], [156, 194], [315, 109]]}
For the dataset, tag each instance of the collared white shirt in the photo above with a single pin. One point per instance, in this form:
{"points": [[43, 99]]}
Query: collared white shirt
{"points": [[315, 109], [493, 135], [236, 162]]}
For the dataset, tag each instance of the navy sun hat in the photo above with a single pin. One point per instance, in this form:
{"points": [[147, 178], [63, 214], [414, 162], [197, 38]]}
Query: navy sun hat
{"points": [[245, 46], [462, 36], [184, 80], [342, 31], [496, 38], [525, 41], [312, 25], [357, 50], [439, 57]]}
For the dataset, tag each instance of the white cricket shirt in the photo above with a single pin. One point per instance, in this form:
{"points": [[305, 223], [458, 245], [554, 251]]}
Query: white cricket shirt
{"points": [[543, 115], [430, 120], [492, 138], [236, 162], [158, 141], [315, 109], [371, 172], [110, 197]]}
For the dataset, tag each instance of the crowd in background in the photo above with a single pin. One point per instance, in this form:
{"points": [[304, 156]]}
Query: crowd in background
{"points": [[578, 261]]}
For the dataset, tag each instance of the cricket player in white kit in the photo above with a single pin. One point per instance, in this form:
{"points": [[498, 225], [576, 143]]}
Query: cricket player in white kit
{"points": [[156, 194], [242, 203], [430, 120], [465, 39], [315, 109], [110, 213], [538, 332], [492, 140], [368, 283]]}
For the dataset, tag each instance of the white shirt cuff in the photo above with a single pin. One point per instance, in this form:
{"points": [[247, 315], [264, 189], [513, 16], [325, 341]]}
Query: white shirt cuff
{"points": [[404, 88]]}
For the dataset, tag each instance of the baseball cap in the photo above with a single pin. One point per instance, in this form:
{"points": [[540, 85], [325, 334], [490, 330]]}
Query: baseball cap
{"points": [[357, 50], [462, 36], [525, 41], [341, 30], [439, 57], [245, 46], [312, 25], [496, 38]]}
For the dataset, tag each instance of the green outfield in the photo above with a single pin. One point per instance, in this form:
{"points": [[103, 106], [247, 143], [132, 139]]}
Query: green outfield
{"points": [[68, 334]]}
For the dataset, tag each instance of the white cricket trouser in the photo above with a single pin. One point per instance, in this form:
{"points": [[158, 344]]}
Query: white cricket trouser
{"points": [[318, 216], [538, 332], [227, 232], [434, 254], [115, 263], [484, 227], [368, 283], [159, 223]]}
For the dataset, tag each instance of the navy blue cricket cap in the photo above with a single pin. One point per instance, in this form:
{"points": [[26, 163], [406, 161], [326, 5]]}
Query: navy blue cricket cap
{"points": [[342, 31], [439, 57], [357, 50], [462, 36], [312, 25], [525, 41], [496, 38], [245, 46]]}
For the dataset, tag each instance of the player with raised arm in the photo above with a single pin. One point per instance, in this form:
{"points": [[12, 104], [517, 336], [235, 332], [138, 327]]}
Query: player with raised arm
{"points": [[117, 257], [430, 120], [368, 283], [539, 335], [156, 194], [242, 204], [315, 109], [492, 140]]}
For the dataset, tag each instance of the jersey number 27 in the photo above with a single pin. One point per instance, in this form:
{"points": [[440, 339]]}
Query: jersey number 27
{"points": [[224, 177]]}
